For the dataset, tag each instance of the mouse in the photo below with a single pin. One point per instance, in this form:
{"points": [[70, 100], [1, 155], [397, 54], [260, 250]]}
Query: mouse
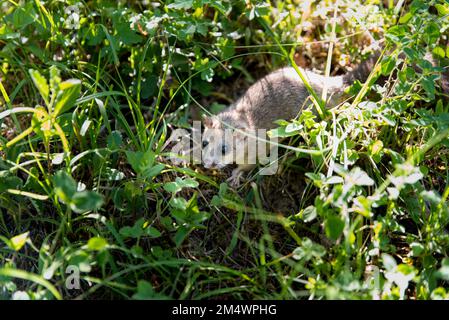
{"points": [[279, 95]]}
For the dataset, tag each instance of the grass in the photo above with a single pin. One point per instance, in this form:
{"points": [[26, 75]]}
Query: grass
{"points": [[91, 207]]}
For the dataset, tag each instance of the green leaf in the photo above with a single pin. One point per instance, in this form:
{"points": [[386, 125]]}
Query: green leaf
{"points": [[136, 231], [443, 272], [152, 232], [145, 291], [317, 178], [188, 216], [431, 196], [334, 226], [9, 181], [149, 86], [216, 201], [178, 184], [308, 251], [439, 294], [172, 187], [135, 159], [308, 214], [411, 53], [431, 33], [55, 79], [418, 6], [393, 193], [97, 244], [359, 177], [69, 91], [131, 232], [41, 84], [443, 9], [396, 33], [187, 183], [85, 127], [86, 201], [153, 171], [417, 249], [64, 186], [128, 36], [143, 163], [82, 260], [114, 140], [376, 147], [178, 203], [429, 86], [180, 235], [439, 51], [282, 132], [112, 174], [208, 74], [23, 16], [41, 123], [388, 262], [334, 180], [406, 17], [362, 205], [181, 4], [388, 65], [16, 243]]}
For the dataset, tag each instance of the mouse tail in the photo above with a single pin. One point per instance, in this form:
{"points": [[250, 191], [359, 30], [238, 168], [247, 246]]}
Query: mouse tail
{"points": [[363, 70]]}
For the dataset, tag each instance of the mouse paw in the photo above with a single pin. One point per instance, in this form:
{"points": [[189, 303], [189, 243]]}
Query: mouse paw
{"points": [[234, 179]]}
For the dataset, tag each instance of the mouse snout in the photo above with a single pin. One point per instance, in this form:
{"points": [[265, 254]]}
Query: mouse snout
{"points": [[209, 164]]}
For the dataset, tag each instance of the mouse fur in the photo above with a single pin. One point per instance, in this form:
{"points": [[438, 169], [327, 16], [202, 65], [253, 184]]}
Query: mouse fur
{"points": [[279, 95]]}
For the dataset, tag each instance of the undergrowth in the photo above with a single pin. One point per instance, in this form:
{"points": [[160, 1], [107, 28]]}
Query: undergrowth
{"points": [[91, 91]]}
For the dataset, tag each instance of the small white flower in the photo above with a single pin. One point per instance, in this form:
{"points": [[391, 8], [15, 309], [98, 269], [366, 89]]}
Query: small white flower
{"points": [[133, 20], [235, 35]]}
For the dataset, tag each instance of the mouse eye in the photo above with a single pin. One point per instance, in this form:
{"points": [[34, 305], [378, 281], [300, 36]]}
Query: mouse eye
{"points": [[205, 143], [224, 149]]}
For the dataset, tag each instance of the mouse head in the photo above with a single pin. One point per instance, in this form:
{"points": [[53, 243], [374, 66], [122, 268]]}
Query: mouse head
{"points": [[219, 141]]}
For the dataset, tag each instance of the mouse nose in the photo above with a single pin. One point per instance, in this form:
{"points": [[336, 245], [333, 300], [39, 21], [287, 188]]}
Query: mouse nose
{"points": [[209, 164]]}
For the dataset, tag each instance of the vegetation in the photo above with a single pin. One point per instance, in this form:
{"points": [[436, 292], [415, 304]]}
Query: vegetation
{"points": [[91, 91]]}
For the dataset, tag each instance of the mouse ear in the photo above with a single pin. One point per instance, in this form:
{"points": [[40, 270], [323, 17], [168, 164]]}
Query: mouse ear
{"points": [[207, 121], [210, 122]]}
